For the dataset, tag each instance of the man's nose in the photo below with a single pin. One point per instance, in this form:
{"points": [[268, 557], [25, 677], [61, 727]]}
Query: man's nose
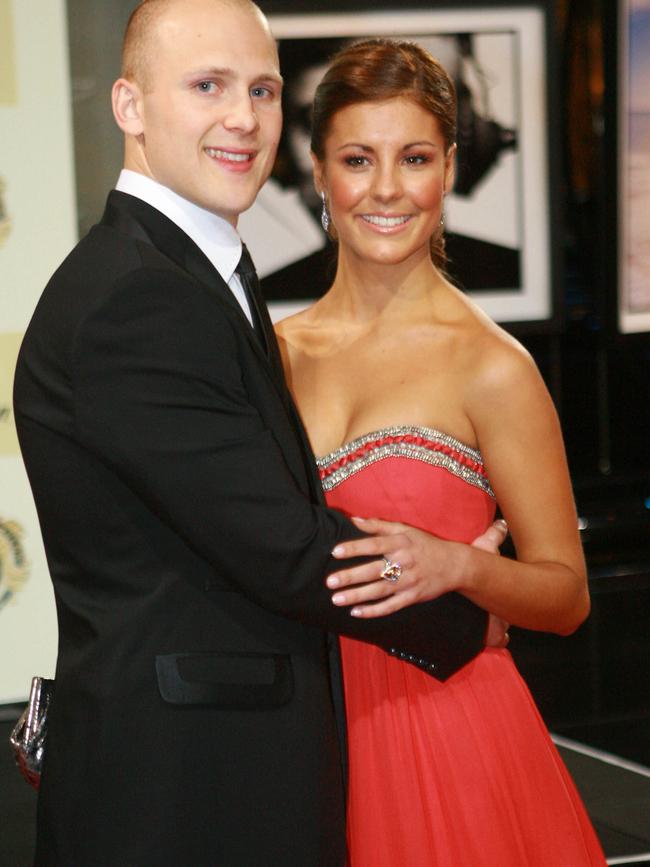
{"points": [[241, 115]]}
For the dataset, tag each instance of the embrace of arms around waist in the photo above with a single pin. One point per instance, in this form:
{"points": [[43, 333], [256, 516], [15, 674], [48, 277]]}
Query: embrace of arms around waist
{"points": [[438, 361]]}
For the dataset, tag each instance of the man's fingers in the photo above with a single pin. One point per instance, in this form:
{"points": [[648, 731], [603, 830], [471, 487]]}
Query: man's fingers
{"points": [[493, 538], [497, 632]]}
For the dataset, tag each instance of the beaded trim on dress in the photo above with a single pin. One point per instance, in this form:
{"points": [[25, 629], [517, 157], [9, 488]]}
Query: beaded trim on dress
{"points": [[406, 441]]}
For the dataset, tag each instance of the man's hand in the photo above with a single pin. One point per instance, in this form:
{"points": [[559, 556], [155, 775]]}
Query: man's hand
{"points": [[493, 538], [496, 634]]}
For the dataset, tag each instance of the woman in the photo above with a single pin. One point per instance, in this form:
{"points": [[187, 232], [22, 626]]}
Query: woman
{"points": [[428, 413]]}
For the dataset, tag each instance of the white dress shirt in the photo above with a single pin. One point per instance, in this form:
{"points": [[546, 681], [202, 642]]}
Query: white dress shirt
{"points": [[213, 235]]}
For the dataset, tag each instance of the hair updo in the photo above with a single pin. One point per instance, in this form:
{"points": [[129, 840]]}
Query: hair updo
{"points": [[375, 70]]}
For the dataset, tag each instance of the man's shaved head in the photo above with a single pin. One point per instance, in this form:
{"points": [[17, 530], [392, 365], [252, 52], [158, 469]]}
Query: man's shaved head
{"points": [[200, 100], [139, 39]]}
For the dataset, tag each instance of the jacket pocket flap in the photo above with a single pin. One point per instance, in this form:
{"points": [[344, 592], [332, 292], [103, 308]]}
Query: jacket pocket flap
{"points": [[235, 680]]}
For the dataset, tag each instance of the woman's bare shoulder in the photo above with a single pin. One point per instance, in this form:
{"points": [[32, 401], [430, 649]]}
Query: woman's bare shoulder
{"points": [[291, 334], [503, 385], [301, 337], [491, 365], [301, 328], [285, 331], [289, 328], [309, 334], [503, 362], [488, 349]]}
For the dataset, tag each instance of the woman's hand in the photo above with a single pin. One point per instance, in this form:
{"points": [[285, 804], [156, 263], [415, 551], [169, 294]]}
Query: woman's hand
{"points": [[428, 567]]}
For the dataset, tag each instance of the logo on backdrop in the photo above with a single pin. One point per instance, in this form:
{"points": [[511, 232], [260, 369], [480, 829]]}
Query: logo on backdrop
{"points": [[13, 563], [5, 220]]}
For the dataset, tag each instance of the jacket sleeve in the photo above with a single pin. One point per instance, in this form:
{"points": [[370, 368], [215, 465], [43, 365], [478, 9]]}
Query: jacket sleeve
{"points": [[160, 397]]}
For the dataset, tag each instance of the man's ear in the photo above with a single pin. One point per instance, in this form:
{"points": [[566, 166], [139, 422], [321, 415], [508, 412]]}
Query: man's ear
{"points": [[450, 168], [127, 107]]}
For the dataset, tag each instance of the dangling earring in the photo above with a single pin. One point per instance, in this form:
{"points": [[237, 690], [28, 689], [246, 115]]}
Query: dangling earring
{"points": [[325, 214], [441, 224]]}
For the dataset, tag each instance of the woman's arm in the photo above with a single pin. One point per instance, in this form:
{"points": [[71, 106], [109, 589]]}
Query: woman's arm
{"points": [[521, 444]]}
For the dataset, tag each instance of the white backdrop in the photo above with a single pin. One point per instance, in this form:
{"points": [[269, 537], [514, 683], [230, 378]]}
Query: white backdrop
{"points": [[510, 206], [37, 229]]}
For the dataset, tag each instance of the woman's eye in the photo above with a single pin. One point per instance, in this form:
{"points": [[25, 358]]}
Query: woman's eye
{"points": [[357, 161], [416, 159]]}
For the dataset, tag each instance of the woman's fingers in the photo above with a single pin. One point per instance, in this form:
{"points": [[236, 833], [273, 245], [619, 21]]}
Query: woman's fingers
{"points": [[377, 527], [407, 567], [362, 593], [370, 572], [375, 599], [370, 546], [387, 606]]}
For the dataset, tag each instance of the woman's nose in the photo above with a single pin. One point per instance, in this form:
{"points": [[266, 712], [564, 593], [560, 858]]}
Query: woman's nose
{"points": [[386, 184]]}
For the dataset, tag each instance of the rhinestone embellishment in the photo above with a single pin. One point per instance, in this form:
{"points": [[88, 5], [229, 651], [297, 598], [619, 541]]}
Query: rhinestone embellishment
{"points": [[407, 441]]}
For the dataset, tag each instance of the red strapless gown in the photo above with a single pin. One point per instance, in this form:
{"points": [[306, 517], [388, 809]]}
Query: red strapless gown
{"points": [[454, 774]]}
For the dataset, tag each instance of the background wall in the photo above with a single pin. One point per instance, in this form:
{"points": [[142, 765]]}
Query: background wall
{"points": [[37, 228], [600, 380], [593, 686]]}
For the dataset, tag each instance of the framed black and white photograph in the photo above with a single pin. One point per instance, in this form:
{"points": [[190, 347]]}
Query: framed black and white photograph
{"points": [[498, 218], [634, 166]]}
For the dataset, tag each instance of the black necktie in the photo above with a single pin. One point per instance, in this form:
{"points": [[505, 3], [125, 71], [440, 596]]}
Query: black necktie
{"points": [[263, 328], [251, 286], [262, 324]]}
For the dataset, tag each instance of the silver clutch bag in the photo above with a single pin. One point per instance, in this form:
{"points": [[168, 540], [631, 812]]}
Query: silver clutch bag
{"points": [[30, 732]]}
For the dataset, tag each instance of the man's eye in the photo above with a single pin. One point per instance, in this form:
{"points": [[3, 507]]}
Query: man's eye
{"points": [[261, 92], [206, 86]]}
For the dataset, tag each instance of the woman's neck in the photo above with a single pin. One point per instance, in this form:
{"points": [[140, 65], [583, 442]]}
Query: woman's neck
{"points": [[364, 290]]}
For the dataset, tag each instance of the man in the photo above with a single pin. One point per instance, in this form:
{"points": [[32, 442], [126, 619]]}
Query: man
{"points": [[193, 723]]}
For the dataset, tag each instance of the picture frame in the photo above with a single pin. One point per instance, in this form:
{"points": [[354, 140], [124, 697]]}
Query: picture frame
{"points": [[500, 224], [633, 146]]}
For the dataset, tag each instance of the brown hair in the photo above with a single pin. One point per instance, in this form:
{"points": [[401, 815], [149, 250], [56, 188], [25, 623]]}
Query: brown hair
{"points": [[375, 70]]}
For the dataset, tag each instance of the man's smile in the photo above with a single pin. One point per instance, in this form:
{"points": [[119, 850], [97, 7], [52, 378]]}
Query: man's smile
{"points": [[235, 157]]}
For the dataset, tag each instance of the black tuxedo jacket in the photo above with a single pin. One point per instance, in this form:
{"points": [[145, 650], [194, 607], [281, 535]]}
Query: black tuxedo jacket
{"points": [[193, 723]]}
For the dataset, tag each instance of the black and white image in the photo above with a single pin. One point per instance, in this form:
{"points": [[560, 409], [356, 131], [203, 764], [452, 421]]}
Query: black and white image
{"points": [[497, 217]]}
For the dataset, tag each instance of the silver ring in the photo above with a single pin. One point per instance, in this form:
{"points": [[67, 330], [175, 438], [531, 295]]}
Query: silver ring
{"points": [[391, 571]]}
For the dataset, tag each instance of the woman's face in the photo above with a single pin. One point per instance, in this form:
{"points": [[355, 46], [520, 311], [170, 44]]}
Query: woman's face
{"points": [[385, 174]]}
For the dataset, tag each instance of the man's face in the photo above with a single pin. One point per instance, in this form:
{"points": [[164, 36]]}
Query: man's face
{"points": [[211, 111]]}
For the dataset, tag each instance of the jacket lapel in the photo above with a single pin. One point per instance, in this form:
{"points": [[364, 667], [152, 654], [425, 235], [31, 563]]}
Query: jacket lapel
{"points": [[140, 221]]}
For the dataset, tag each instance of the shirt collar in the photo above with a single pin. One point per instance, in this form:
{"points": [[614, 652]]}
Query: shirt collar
{"points": [[213, 235]]}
